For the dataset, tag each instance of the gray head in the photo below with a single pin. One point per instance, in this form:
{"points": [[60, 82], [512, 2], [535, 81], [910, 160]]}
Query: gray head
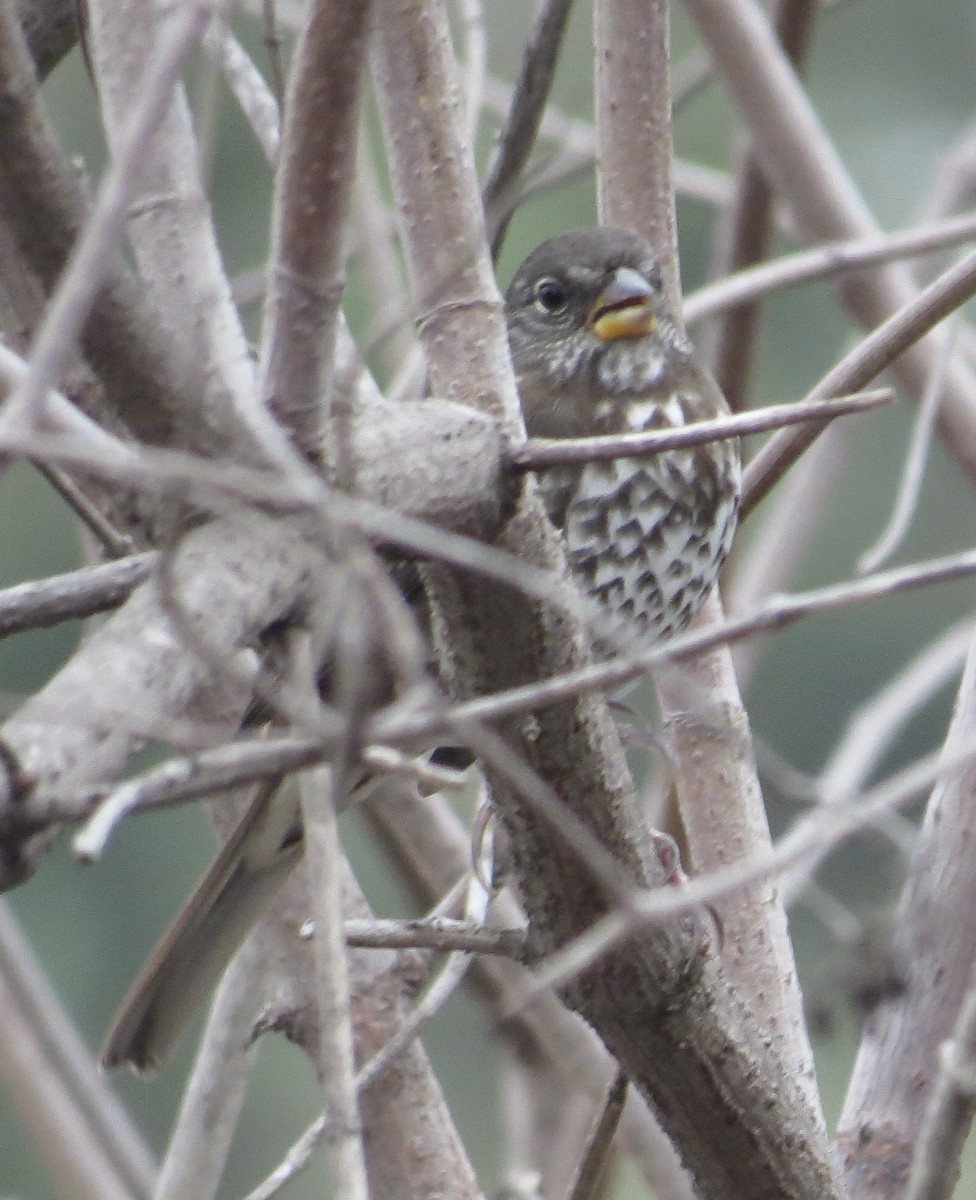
{"points": [[587, 321]]}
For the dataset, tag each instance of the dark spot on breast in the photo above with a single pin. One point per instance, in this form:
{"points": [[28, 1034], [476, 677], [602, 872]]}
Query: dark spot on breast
{"points": [[592, 521], [585, 566]]}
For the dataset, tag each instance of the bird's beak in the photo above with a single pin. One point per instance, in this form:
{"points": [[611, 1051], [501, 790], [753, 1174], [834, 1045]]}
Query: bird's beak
{"points": [[625, 307]]}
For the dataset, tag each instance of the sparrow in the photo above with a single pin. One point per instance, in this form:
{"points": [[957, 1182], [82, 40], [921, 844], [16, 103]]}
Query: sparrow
{"points": [[596, 351]]}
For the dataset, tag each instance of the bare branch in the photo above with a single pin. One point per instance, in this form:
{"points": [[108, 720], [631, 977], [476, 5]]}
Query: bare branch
{"points": [[718, 790], [589, 1178], [247, 83], [538, 453], [441, 988], [429, 844], [825, 262], [386, 1036], [525, 114], [112, 542], [91, 256], [79, 1128], [214, 1095], [576, 140], [805, 847], [880, 348], [323, 852], [185, 779], [776, 613], [72, 732], [61, 417], [807, 174], [632, 102], [747, 222], [898, 1063], [949, 1115], [41, 198], [437, 933], [318, 160], [906, 498], [83, 593], [168, 217]]}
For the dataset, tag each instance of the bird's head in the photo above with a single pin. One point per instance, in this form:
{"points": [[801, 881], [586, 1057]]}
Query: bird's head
{"points": [[589, 330]]}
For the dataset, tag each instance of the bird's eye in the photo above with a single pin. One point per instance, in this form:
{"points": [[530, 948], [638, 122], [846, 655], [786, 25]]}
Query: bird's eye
{"points": [[550, 295]]}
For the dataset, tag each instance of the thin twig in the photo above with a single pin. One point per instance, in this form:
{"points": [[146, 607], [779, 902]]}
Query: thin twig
{"points": [[113, 543], [320, 789], [799, 788], [46, 205], [272, 43], [437, 933], [825, 262], [810, 177], [215, 1091], [549, 806], [777, 613], [60, 417], [255, 98], [857, 368], [540, 453], [474, 57], [576, 140], [873, 727], [596, 1156], [77, 1126], [45, 602], [444, 984], [431, 846], [525, 114], [184, 779], [807, 845], [440, 990], [746, 225], [910, 485], [179, 780]]}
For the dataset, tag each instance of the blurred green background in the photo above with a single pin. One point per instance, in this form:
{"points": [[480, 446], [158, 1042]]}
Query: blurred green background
{"points": [[893, 81]]}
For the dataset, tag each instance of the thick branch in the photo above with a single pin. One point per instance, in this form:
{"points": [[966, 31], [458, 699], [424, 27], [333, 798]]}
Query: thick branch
{"points": [[135, 675], [170, 224], [708, 731], [42, 199], [658, 1003], [317, 162], [898, 1062]]}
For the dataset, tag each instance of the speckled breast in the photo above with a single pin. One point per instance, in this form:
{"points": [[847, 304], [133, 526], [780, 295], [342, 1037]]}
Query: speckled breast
{"points": [[646, 538]]}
